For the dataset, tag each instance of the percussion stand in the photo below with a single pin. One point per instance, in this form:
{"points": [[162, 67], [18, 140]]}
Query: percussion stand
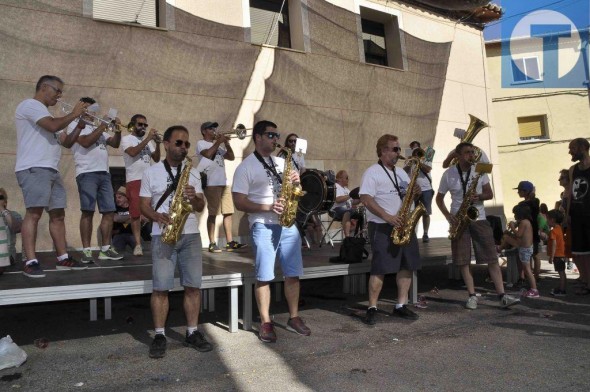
{"points": [[301, 227]]}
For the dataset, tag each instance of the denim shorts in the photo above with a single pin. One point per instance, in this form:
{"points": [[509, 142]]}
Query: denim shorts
{"points": [[426, 199], [42, 187], [525, 254], [187, 253], [96, 188], [267, 240]]}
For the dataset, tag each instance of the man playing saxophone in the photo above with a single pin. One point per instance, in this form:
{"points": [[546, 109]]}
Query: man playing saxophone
{"points": [[159, 185], [257, 189], [459, 180], [382, 190]]}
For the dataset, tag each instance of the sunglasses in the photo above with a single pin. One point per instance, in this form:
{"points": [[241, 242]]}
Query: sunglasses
{"points": [[57, 90], [179, 143], [272, 135], [141, 125], [291, 141]]}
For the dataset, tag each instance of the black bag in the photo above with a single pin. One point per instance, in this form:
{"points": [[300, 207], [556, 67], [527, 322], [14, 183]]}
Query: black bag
{"points": [[353, 250], [203, 180]]}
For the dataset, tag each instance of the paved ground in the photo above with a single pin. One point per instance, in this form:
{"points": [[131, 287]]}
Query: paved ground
{"points": [[540, 345]]}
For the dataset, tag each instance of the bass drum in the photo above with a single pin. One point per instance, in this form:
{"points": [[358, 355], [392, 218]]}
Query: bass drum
{"points": [[320, 192]]}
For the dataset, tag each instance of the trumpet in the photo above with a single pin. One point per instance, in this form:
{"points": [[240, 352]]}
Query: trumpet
{"points": [[67, 108], [239, 132], [131, 128]]}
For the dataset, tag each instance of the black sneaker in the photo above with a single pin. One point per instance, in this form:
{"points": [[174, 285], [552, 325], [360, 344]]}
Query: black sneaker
{"points": [[425, 238], [234, 245], [158, 347], [370, 316], [405, 312], [33, 270], [197, 341]]}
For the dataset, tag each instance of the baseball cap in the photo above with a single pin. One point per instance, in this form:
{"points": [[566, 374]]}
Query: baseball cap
{"points": [[526, 186], [208, 124]]}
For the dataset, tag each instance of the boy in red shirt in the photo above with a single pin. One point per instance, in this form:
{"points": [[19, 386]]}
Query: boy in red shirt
{"points": [[556, 249]]}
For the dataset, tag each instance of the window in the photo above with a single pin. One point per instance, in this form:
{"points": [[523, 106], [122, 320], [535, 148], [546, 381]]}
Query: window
{"points": [[532, 128], [382, 38], [269, 21], [141, 12], [525, 70]]}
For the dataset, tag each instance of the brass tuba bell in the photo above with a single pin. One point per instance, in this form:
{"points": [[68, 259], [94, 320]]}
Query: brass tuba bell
{"points": [[475, 125]]}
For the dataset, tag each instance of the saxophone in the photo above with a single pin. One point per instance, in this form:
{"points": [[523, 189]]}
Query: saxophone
{"points": [[179, 209], [401, 235], [290, 192], [467, 212]]}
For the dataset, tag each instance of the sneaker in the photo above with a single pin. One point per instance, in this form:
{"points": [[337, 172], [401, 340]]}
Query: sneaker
{"points": [[508, 300], [405, 312], [425, 238], [137, 251], [557, 293], [87, 257], [532, 293], [297, 325], [471, 302], [213, 248], [158, 347], [570, 265], [70, 264], [370, 316], [110, 254], [33, 270], [234, 245], [197, 341], [267, 333]]}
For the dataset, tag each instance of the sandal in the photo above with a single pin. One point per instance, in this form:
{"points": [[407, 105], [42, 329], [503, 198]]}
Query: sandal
{"points": [[583, 291]]}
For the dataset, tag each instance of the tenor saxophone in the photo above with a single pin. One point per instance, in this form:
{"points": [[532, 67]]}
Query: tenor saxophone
{"points": [[290, 192], [179, 209], [402, 234]]}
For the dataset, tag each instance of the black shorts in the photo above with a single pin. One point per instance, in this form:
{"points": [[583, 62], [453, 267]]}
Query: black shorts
{"points": [[559, 264], [580, 229], [389, 258]]}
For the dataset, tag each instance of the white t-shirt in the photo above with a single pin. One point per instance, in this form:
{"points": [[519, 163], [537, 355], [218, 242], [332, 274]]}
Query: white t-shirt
{"points": [[451, 182], [135, 166], [154, 183], [92, 159], [423, 180], [342, 191], [298, 159], [35, 146], [378, 185], [261, 185], [215, 172]]}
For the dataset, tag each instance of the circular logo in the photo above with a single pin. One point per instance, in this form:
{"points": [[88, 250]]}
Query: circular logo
{"points": [[580, 188]]}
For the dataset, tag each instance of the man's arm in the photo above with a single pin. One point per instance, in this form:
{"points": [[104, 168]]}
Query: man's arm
{"points": [[147, 210], [486, 193], [211, 151], [156, 154], [243, 204], [440, 203], [88, 140], [56, 124], [68, 139], [447, 162], [135, 150], [376, 209]]}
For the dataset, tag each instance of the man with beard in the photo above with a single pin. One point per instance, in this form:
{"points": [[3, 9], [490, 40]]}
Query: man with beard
{"points": [[137, 154], [159, 185], [579, 209]]}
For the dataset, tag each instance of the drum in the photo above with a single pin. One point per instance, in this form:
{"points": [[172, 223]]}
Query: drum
{"points": [[320, 192]]}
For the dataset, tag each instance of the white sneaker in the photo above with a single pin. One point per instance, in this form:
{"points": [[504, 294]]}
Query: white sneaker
{"points": [[508, 300], [138, 251], [471, 302]]}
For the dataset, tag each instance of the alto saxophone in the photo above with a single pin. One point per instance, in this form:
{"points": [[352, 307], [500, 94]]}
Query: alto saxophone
{"points": [[401, 235], [290, 192], [467, 212], [179, 209]]}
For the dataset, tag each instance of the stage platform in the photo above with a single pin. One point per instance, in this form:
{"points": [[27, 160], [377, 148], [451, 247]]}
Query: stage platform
{"points": [[131, 276]]}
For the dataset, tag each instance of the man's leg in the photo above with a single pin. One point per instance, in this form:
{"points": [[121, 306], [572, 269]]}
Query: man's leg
{"points": [[159, 304], [29, 231], [292, 288], [227, 227], [192, 305], [262, 293], [136, 230], [106, 227], [346, 224], [375, 286], [57, 229], [496, 276], [425, 223], [403, 279], [86, 228], [467, 278]]}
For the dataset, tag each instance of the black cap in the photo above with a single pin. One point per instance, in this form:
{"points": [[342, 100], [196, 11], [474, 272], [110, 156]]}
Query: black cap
{"points": [[208, 124]]}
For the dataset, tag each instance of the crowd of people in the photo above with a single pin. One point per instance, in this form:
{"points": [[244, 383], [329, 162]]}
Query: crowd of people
{"points": [[153, 181]]}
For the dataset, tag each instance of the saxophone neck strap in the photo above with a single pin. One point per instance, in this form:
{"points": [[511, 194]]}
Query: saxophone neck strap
{"points": [[172, 187], [465, 180], [393, 180], [269, 168]]}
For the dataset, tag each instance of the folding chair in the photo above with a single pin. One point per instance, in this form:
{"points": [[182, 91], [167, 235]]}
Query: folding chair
{"points": [[327, 224]]}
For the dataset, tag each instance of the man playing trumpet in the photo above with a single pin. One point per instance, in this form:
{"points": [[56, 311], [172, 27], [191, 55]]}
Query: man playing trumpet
{"points": [[138, 151], [38, 153]]}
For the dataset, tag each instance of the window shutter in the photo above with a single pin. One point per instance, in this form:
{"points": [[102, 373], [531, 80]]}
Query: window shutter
{"points": [[129, 11], [265, 18], [529, 127]]}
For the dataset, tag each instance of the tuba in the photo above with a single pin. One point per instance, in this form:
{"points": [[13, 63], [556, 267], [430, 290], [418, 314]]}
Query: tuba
{"points": [[179, 209], [467, 212], [475, 125], [290, 192], [401, 235]]}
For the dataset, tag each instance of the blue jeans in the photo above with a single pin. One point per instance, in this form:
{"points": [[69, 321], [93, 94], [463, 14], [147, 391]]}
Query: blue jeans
{"points": [[186, 252], [270, 239]]}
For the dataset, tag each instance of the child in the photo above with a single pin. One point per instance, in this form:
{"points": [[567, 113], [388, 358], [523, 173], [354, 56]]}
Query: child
{"points": [[523, 239], [556, 249]]}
